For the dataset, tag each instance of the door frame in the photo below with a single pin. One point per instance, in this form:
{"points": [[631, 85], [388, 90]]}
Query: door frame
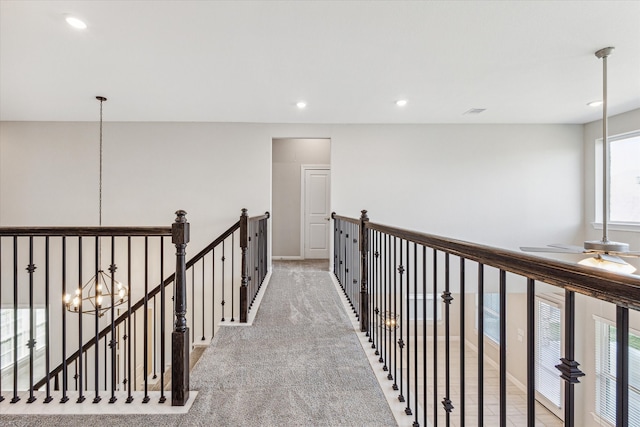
{"points": [[303, 169]]}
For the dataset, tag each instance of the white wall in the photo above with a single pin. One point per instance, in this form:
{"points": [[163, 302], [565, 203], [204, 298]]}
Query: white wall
{"points": [[504, 185], [49, 174]]}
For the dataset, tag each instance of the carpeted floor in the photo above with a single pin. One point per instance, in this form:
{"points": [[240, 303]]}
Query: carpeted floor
{"points": [[300, 364]]}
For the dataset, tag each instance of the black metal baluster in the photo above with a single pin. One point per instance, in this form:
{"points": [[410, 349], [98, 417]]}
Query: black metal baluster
{"points": [[145, 322], [97, 305], [202, 339], [47, 359], [163, 319], [233, 303], [503, 348], [394, 361], [65, 384], [223, 283], [76, 375], [622, 366], [375, 293], [424, 338], [193, 296], [531, 349], [154, 338], [86, 371], [401, 344], [462, 341], [435, 337], [15, 398], [31, 268], [408, 283], [415, 333], [106, 356], [480, 344], [213, 293], [373, 288], [135, 351], [568, 367], [384, 351], [113, 342], [129, 382], [447, 298], [80, 383]]}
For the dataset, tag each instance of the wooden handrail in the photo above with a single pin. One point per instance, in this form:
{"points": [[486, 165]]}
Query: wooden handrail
{"points": [[621, 289], [345, 218], [260, 217], [85, 231]]}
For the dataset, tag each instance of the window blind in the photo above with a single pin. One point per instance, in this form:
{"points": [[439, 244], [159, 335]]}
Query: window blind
{"points": [[606, 350], [548, 352]]}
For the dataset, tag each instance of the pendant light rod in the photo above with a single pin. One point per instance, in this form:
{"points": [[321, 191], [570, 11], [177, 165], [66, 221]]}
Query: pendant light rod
{"points": [[603, 54], [101, 99]]}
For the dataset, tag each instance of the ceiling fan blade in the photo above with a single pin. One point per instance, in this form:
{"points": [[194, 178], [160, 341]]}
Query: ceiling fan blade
{"points": [[612, 258], [626, 254], [551, 250], [573, 248]]}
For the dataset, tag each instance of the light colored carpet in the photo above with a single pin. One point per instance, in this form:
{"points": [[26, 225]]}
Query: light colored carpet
{"points": [[300, 364]]}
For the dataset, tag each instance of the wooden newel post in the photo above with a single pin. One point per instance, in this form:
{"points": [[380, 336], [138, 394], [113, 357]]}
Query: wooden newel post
{"points": [[244, 243], [364, 271], [180, 335]]}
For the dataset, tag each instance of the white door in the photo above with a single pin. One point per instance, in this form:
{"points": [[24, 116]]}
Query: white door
{"points": [[316, 213]]}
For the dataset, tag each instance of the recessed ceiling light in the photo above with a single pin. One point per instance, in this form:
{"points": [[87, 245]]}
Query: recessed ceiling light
{"points": [[301, 105], [76, 23], [401, 102], [595, 103]]}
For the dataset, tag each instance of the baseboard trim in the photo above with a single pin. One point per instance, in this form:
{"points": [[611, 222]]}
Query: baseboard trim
{"points": [[286, 258]]}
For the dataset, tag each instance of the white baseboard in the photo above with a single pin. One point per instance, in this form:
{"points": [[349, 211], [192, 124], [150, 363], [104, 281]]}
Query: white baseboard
{"points": [[286, 258]]}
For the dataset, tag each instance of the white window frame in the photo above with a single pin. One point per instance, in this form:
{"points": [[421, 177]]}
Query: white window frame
{"points": [[558, 303], [606, 419], [613, 225]]}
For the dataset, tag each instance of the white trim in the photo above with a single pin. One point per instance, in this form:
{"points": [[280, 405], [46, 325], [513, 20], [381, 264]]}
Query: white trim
{"points": [[303, 169], [286, 258], [254, 309], [613, 323], [633, 227]]}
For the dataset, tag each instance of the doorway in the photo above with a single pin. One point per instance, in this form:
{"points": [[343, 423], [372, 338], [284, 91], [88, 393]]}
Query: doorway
{"points": [[300, 184]]}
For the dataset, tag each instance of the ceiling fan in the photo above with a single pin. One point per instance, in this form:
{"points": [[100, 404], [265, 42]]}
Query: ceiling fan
{"points": [[607, 253]]}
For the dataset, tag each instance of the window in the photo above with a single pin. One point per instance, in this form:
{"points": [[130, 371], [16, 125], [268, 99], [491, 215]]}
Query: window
{"points": [[9, 340], [491, 316], [624, 173], [606, 373], [420, 306], [548, 353]]}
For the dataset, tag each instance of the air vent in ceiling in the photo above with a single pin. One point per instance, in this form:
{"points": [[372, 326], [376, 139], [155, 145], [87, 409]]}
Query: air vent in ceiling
{"points": [[475, 111]]}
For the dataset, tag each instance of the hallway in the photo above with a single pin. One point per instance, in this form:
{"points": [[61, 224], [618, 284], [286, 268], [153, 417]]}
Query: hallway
{"points": [[299, 364]]}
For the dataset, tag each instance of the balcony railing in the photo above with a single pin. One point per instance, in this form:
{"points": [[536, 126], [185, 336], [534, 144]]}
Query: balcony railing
{"points": [[437, 314], [81, 346]]}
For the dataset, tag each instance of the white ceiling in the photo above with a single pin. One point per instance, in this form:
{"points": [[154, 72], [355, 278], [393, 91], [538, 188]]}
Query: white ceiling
{"points": [[251, 61]]}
